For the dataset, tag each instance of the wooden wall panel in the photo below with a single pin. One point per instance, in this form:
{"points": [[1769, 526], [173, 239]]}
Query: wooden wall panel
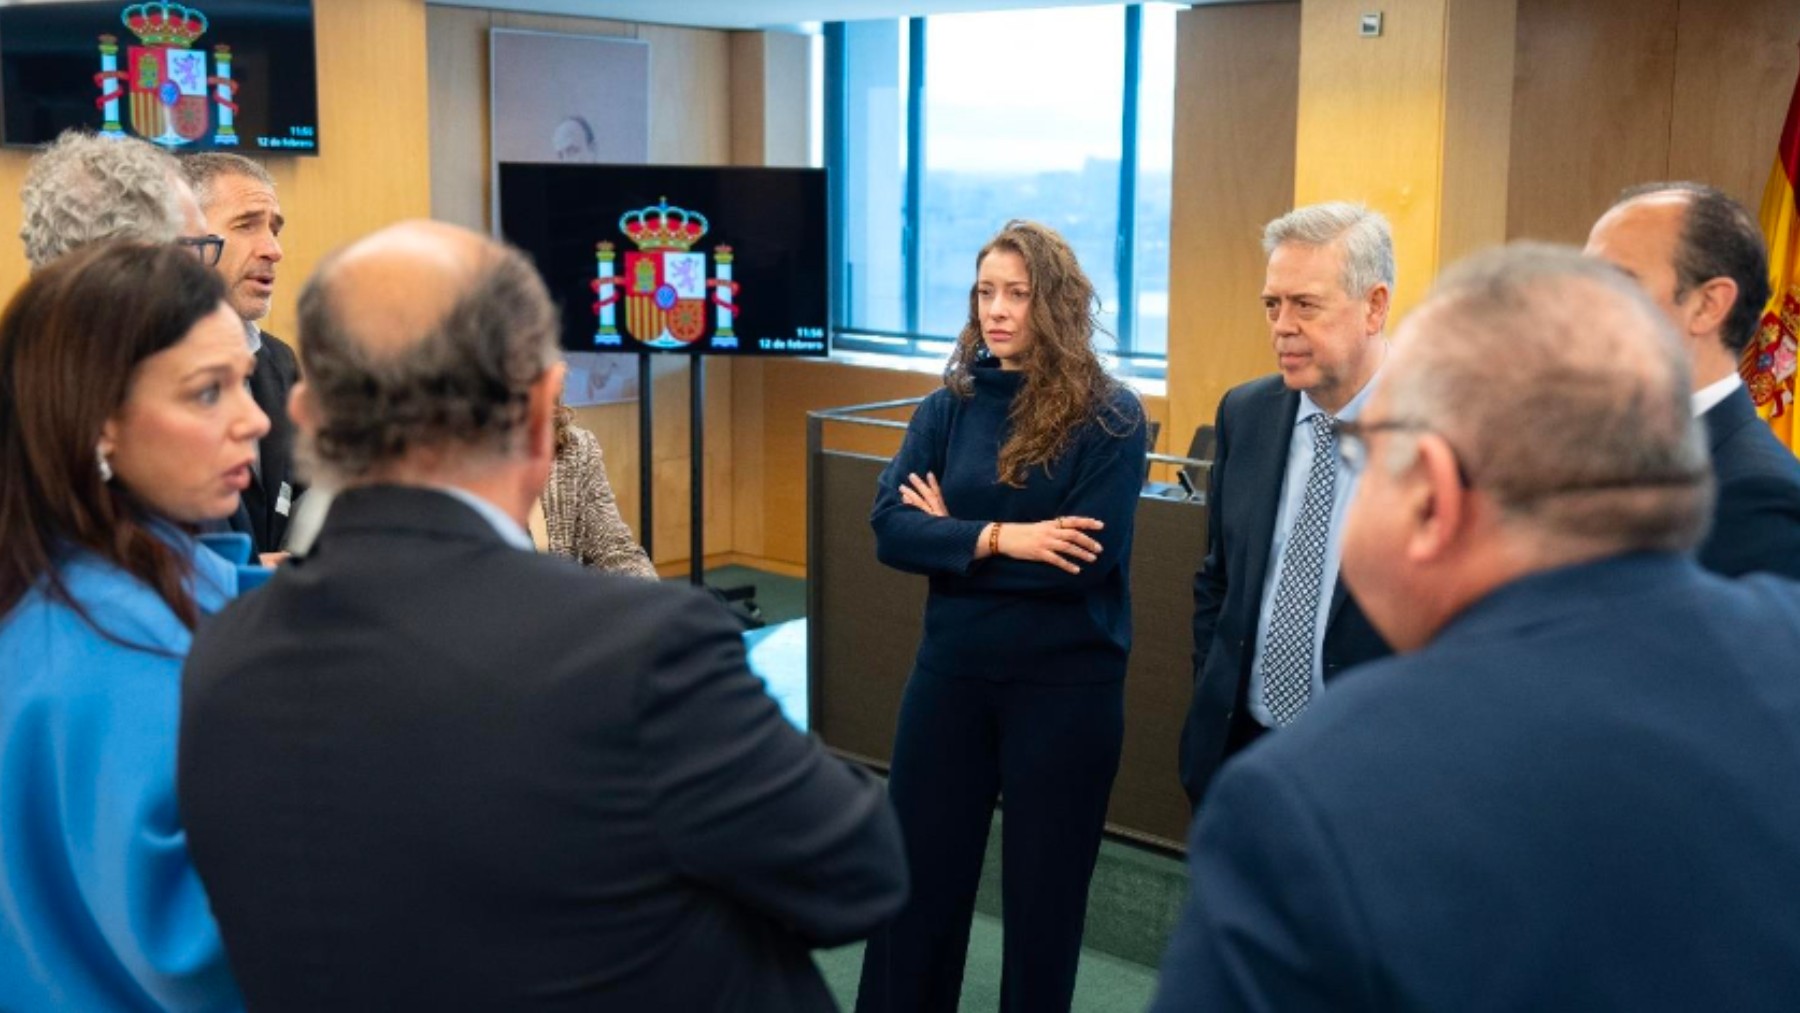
{"points": [[1735, 62], [1477, 126], [1610, 93], [789, 390], [787, 89], [771, 101], [1592, 97], [374, 169], [1237, 80], [1371, 124], [457, 44]]}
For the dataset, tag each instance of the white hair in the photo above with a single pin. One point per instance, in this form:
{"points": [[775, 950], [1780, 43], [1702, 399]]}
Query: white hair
{"points": [[1368, 241], [85, 188]]}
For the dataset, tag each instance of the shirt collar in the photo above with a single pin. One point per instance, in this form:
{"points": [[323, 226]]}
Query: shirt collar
{"points": [[1709, 397], [1309, 408], [504, 526], [253, 336]]}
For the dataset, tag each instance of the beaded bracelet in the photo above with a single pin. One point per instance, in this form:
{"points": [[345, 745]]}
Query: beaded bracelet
{"points": [[994, 539]]}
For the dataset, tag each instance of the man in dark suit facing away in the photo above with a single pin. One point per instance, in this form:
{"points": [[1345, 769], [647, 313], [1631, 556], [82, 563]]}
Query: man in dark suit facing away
{"points": [[1272, 623], [1574, 790], [427, 768], [237, 196], [1700, 257]]}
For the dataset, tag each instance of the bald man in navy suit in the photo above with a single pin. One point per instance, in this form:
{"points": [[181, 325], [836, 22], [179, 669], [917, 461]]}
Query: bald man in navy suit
{"points": [[1700, 257]]}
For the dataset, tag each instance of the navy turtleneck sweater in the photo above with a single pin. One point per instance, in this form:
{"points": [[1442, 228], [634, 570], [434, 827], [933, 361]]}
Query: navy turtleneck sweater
{"points": [[1009, 619]]}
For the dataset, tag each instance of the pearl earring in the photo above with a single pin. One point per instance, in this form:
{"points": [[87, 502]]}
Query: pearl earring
{"points": [[106, 472]]}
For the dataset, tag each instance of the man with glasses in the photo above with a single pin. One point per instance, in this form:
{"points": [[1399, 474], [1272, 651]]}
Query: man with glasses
{"points": [[1575, 789], [1699, 255], [237, 196], [83, 188], [1272, 623], [209, 248]]}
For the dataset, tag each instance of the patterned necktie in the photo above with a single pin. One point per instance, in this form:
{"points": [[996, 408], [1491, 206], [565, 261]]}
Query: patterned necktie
{"points": [[1287, 660]]}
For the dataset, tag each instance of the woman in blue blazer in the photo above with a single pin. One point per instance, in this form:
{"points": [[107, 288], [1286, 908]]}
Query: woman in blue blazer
{"points": [[1014, 492], [125, 427]]}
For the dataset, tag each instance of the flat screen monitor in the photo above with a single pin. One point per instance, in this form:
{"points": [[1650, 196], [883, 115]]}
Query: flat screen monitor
{"points": [[683, 259], [227, 75]]}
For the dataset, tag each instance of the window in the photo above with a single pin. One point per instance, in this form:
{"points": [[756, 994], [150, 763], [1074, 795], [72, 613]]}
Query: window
{"points": [[941, 129]]}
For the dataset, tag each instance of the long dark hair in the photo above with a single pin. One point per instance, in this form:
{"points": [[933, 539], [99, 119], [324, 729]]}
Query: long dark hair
{"points": [[1065, 383], [71, 342]]}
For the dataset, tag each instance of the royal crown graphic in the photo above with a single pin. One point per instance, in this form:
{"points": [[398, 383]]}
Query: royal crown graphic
{"points": [[166, 82], [664, 287]]}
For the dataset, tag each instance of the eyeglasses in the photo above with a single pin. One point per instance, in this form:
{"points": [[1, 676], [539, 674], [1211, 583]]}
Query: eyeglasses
{"points": [[1353, 444], [208, 248]]}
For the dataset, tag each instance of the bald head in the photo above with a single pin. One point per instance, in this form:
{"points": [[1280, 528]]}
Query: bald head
{"points": [[1700, 256], [1534, 414], [430, 262], [423, 338], [1565, 390]]}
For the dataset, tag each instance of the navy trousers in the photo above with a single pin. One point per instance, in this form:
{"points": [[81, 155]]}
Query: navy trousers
{"points": [[1051, 751]]}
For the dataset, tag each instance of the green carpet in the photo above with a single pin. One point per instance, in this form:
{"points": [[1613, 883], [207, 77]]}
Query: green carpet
{"points": [[1104, 984], [1133, 904], [779, 598]]}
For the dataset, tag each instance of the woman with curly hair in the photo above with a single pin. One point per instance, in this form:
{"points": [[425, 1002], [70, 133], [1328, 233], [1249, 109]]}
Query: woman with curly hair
{"points": [[1014, 492]]}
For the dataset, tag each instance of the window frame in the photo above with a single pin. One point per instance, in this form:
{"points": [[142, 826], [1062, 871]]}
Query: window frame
{"points": [[912, 342]]}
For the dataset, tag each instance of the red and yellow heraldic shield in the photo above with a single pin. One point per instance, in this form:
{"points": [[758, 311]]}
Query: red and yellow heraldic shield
{"points": [[665, 297], [168, 93]]}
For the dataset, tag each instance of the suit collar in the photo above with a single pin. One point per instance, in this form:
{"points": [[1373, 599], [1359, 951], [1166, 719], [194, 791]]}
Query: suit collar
{"points": [[1554, 596], [1724, 419], [1269, 413], [1275, 410], [1706, 397], [406, 510]]}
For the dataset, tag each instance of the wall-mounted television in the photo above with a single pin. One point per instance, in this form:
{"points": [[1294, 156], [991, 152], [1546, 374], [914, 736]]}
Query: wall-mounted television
{"points": [[681, 259], [227, 75]]}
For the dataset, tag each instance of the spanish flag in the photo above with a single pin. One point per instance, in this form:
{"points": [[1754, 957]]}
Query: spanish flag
{"points": [[1768, 365]]}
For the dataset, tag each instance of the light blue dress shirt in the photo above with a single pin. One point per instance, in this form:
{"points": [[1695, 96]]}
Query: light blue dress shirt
{"points": [[1293, 492], [504, 526]]}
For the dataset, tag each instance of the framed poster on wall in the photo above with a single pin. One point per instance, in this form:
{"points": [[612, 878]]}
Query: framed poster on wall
{"points": [[571, 98]]}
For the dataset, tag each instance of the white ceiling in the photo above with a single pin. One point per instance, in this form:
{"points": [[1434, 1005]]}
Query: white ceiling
{"points": [[771, 13]]}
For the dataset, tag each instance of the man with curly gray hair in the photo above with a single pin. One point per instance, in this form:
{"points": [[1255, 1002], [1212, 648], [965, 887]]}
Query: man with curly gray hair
{"points": [[544, 780], [84, 188]]}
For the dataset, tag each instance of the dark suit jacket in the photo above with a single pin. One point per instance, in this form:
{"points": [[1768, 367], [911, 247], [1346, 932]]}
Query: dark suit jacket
{"points": [[1255, 424], [260, 515], [1756, 525], [422, 769], [1579, 796]]}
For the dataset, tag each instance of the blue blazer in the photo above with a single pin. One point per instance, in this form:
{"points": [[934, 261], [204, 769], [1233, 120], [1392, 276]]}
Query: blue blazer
{"points": [[100, 908], [1756, 525], [1254, 428], [1580, 796]]}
